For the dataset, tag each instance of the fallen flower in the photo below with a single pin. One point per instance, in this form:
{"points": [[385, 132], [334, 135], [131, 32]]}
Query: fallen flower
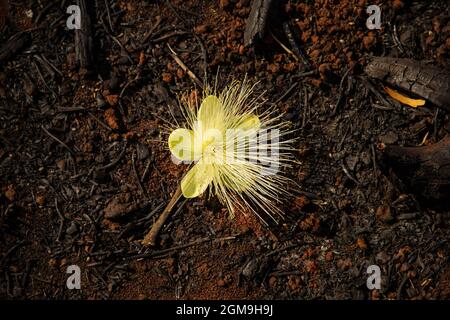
{"points": [[237, 154]]}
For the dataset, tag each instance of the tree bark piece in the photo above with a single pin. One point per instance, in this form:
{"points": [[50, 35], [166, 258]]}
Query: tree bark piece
{"points": [[429, 82], [425, 170], [256, 23], [84, 43]]}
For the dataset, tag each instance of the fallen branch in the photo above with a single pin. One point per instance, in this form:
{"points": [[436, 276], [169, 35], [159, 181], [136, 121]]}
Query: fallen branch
{"points": [[425, 170], [255, 28], [429, 82]]}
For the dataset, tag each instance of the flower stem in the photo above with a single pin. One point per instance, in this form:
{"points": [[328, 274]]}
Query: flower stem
{"points": [[150, 238]]}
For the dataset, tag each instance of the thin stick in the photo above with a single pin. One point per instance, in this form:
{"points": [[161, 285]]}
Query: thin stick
{"points": [[150, 238], [294, 46], [116, 161], [285, 94], [168, 35], [100, 122], [133, 163], [144, 175], [161, 253], [57, 140], [194, 78], [153, 28], [109, 16], [61, 223], [289, 51]]}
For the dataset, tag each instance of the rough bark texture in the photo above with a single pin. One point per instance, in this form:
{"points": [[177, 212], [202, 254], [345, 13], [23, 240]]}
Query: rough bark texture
{"points": [[426, 170], [430, 82], [257, 20]]}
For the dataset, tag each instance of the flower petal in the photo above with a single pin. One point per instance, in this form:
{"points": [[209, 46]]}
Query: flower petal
{"points": [[211, 113], [197, 180], [249, 122], [182, 144]]}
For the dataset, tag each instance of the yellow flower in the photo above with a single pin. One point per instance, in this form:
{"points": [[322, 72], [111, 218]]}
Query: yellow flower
{"points": [[230, 146]]}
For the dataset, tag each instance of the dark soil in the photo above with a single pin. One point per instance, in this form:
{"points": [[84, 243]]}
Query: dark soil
{"points": [[83, 174]]}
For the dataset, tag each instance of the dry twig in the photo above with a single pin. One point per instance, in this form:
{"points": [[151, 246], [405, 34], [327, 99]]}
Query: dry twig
{"points": [[184, 67]]}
